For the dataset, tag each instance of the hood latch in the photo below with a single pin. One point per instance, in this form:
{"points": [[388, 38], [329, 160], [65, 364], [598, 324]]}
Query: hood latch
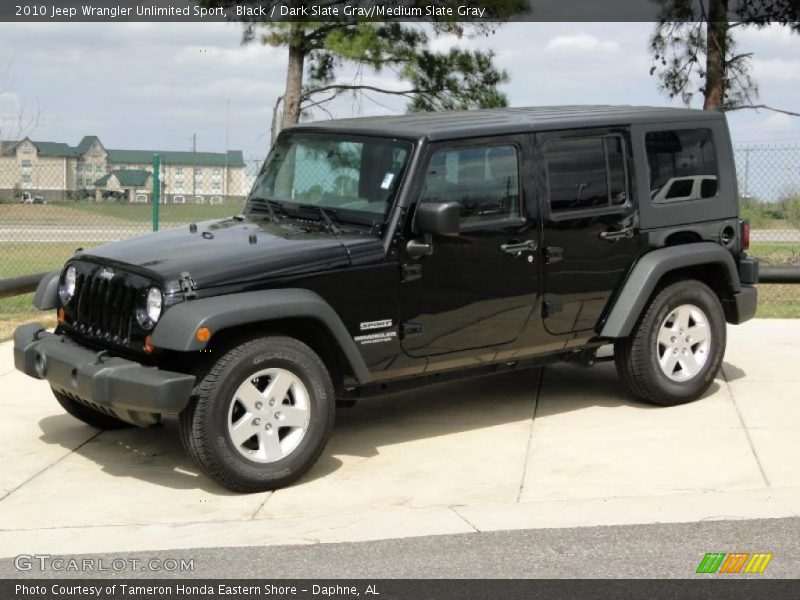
{"points": [[188, 286]]}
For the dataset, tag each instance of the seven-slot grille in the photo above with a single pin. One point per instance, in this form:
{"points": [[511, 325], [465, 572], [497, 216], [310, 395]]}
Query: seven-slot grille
{"points": [[103, 307]]}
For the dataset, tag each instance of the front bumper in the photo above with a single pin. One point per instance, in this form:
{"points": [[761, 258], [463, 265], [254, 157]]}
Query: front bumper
{"points": [[124, 388]]}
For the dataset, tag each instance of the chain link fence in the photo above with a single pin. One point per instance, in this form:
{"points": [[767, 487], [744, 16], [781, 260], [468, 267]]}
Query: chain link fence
{"points": [[49, 208], [769, 186]]}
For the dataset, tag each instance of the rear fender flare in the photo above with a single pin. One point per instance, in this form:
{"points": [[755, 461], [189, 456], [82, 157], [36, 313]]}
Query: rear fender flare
{"points": [[650, 269]]}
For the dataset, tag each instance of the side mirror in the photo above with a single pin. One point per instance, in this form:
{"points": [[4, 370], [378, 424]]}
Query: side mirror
{"points": [[438, 218]]}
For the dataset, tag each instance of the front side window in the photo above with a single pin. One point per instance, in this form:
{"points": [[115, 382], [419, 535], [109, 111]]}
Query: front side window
{"points": [[682, 163], [484, 180], [355, 176], [586, 173]]}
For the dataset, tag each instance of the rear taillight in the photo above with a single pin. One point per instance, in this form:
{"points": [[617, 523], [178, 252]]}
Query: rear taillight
{"points": [[745, 235]]}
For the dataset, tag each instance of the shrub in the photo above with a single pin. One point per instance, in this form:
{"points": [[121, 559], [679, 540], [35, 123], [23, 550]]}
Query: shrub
{"points": [[791, 210], [755, 212]]}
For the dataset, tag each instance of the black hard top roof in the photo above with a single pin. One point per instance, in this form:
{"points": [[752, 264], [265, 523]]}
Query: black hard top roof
{"points": [[469, 123]]}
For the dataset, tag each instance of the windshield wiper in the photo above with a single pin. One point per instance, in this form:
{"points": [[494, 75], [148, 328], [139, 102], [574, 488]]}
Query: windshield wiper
{"points": [[270, 206], [326, 216]]}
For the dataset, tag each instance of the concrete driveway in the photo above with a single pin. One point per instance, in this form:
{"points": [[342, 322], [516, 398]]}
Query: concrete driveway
{"points": [[560, 447]]}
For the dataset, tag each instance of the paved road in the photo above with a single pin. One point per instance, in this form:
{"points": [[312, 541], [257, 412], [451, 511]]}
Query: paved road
{"points": [[562, 447], [632, 551], [775, 235], [79, 233]]}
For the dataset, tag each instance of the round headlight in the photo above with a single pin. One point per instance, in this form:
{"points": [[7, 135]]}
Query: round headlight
{"points": [[67, 288], [153, 304], [148, 314]]}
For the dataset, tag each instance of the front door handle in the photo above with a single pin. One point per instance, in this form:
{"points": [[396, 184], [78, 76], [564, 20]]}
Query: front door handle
{"points": [[519, 247], [620, 234]]}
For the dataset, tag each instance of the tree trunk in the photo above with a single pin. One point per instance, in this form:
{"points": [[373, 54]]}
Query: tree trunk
{"points": [[716, 50], [294, 76]]}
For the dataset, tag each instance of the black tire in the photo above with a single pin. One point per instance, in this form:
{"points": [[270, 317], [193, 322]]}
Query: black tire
{"points": [[637, 358], [204, 423], [89, 415]]}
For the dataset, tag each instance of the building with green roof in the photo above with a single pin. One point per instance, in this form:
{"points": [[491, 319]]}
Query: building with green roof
{"points": [[59, 171]]}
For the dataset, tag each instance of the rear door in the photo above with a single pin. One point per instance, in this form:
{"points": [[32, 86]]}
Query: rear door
{"points": [[590, 231]]}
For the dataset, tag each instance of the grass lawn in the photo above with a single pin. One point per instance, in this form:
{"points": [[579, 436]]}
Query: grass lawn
{"points": [[24, 258], [108, 213], [776, 253], [777, 301]]}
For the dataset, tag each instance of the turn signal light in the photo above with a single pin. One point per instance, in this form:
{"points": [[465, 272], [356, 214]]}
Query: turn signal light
{"points": [[61, 316], [203, 334], [148, 347]]}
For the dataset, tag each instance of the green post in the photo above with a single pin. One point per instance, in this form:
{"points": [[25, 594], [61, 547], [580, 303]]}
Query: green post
{"points": [[156, 190]]}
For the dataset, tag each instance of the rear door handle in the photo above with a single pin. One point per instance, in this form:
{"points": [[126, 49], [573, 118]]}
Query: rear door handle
{"points": [[620, 234], [519, 247]]}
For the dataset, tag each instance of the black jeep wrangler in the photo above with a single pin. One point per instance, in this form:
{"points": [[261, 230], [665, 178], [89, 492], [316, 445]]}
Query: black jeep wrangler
{"points": [[379, 252]]}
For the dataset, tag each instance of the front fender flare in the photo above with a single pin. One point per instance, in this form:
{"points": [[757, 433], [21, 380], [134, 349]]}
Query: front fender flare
{"points": [[177, 327], [646, 274], [46, 296]]}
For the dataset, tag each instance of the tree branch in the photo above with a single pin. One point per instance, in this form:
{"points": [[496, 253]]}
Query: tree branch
{"points": [[738, 57], [356, 87], [318, 103], [765, 107]]}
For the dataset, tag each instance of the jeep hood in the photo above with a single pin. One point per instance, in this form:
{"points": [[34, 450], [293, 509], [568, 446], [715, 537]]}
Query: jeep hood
{"points": [[236, 251]]}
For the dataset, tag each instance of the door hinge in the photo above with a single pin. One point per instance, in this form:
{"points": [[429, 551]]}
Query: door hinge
{"points": [[553, 254], [550, 308], [409, 329], [411, 271], [187, 285]]}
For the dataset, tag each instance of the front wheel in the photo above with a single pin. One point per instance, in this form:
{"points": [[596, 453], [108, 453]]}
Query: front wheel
{"points": [[676, 349], [261, 415]]}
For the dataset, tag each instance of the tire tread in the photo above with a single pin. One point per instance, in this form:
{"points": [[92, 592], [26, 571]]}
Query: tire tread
{"points": [[193, 420]]}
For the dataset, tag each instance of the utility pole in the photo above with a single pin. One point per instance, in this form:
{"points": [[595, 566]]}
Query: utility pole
{"points": [[747, 172], [156, 189], [227, 148]]}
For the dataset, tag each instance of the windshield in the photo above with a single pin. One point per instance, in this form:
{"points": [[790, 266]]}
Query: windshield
{"points": [[354, 177]]}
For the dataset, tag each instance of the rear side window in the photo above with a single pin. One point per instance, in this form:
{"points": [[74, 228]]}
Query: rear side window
{"points": [[586, 173], [483, 180], [683, 165]]}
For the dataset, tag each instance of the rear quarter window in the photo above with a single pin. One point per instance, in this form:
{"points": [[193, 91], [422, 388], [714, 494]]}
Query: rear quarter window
{"points": [[682, 164]]}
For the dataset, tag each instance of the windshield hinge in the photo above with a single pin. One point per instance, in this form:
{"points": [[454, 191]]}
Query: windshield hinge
{"points": [[188, 286]]}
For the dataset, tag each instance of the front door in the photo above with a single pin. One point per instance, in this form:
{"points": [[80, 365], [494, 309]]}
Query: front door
{"points": [[477, 289], [590, 229]]}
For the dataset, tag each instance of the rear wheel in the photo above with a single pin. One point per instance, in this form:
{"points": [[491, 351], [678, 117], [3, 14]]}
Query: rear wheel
{"points": [[676, 349], [89, 415], [261, 415]]}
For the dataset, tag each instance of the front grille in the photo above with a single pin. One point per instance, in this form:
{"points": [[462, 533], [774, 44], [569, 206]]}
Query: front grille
{"points": [[103, 308]]}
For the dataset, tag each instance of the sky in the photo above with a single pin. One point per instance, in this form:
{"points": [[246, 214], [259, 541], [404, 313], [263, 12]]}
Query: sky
{"points": [[155, 85]]}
